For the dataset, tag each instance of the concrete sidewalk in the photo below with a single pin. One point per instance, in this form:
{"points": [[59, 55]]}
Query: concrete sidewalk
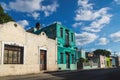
{"points": [[44, 75], [39, 76]]}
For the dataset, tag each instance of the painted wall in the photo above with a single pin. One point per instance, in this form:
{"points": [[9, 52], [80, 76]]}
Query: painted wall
{"points": [[16, 35], [90, 65], [102, 61], [63, 49], [108, 62], [61, 40], [81, 54], [113, 62], [63, 65], [53, 32]]}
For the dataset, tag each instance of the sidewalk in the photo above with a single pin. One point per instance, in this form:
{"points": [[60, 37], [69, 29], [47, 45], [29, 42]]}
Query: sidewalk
{"points": [[20, 77], [38, 76]]}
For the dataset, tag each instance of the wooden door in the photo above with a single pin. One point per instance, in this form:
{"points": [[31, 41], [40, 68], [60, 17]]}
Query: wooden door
{"points": [[43, 60]]}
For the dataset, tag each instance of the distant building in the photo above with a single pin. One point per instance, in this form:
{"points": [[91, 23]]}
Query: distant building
{"points": [[113, 61], [65, 41], [89, 55], [108, 62], [117, 61], [102, 63], [81, 54], [92, 61]]}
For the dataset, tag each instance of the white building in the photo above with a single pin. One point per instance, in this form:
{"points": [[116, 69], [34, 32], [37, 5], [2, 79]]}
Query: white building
{"points": [[23, 53], [102, 61]]}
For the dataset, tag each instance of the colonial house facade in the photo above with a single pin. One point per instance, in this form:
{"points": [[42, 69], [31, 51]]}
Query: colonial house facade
{"points": [[22, 52], [65, 41]]}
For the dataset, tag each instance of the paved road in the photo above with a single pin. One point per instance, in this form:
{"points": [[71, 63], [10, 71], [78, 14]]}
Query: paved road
{"points": [[99, 74]]}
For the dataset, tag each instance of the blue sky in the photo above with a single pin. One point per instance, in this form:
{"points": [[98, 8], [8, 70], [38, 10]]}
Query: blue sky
{"points": [[96, 23]]}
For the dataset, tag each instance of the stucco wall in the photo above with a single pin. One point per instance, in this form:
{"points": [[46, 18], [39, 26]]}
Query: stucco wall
{"points": [[71, 52], [63, 67], [102, 61], [8, 32], [18, 69], [52, 55], [16, 35]]}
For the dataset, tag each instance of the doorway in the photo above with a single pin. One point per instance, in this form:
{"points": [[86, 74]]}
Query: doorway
{"points": [[43, 60], [67, 60]]}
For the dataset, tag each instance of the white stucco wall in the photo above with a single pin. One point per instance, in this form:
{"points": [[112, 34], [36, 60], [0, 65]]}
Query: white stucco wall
{"points": [[102, 61], [9, 34]]}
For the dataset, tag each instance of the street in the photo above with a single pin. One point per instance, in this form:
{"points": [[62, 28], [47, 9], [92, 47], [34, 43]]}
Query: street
{"points": [[96, 74], [101, 74]]}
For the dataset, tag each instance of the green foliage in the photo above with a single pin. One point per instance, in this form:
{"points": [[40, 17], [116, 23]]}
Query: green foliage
{"points": [[4, 17], [86, 60], [102, 52], [1, 9], [82, 60]]}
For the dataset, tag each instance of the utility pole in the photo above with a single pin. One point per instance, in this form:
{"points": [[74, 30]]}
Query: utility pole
{"points": [[114, 54]]}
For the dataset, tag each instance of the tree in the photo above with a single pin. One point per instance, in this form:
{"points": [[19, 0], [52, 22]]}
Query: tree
{"points": [[1, 9], [102, 52], [4, 17], [81, 60]]}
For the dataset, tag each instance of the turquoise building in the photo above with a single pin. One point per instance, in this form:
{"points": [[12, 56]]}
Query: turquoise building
{"points": [[66, 48]]}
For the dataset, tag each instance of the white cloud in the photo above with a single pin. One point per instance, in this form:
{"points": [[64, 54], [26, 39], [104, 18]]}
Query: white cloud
{"points": [[84, 4], [109, 50], [115, 36], [93, 49], [103, 41], [84, 11], [31, 6], [87, 13], [23, 23], [77, 24], [99, 18], [85, 38], [97, 25], [36, 15], [25, 5], [117, 2], [49, 9]]}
